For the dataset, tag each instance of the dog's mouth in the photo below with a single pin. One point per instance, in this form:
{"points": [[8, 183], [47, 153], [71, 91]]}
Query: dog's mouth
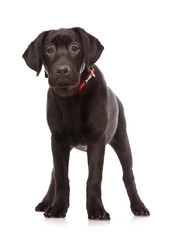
{"points": [[65, 89], [63, 85]]}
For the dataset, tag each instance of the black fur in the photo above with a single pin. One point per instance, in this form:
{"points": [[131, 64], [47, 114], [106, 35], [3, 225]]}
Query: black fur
{"points": [[86, 119]]}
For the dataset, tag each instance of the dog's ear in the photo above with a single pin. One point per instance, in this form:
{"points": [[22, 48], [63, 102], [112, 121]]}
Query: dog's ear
{"points": [[33, 54], [91, 46]]}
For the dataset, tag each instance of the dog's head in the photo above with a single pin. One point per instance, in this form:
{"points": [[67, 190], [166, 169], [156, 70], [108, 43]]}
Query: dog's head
{"points": [[67, 55]]}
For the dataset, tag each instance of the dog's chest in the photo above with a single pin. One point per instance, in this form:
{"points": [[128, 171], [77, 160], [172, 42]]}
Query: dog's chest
{"points": [[75, 121], [74, 127]]}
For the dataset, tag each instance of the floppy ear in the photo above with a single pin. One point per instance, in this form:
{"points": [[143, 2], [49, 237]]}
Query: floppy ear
{"points": [[33, 54], [91, 46]]}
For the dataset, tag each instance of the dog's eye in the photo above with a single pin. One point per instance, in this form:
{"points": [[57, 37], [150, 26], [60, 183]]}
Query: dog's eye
{"points": [[74, 48], [50, 50]]}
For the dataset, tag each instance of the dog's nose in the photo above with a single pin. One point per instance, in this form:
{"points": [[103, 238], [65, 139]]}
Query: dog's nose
{"points": [[63, 70]]}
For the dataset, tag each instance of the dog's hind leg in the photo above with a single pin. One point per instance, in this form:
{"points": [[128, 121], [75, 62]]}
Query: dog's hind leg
{"points": [[120, 144]]}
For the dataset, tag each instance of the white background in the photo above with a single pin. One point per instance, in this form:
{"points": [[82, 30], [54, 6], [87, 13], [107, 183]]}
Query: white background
{"points": [[138, 64]]}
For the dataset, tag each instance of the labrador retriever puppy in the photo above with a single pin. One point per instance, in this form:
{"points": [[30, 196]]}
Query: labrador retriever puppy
{"points": [[82, 113]]}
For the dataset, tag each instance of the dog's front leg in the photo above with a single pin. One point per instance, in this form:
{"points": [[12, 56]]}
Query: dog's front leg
{"points": [[95, 206], [60, 203]]}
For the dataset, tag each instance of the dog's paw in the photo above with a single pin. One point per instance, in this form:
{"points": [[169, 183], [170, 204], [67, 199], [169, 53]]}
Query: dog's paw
{"points": [[55, 212], [98, 214], [42, 206], [140, 210]]}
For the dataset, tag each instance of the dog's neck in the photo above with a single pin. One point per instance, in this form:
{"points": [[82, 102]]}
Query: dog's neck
{"points": [[89, 76]]}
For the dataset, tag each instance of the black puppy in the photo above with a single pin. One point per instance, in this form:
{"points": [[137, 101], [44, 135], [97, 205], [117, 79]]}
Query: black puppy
{"points": [[83, 113]]}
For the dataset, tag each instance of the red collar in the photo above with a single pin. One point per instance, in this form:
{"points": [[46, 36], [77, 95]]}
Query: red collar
{"points": [[82, 84]]}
